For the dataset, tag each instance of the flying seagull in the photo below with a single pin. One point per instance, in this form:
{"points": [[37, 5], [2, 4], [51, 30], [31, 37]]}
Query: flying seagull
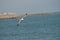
{"points": [[21, 19]]}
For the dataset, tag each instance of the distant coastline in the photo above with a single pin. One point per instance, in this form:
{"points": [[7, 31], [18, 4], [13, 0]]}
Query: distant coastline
{"points": [[14, 15]]}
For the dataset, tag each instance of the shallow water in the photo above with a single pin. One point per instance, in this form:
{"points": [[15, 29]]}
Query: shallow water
{"points": [[32, 28]]}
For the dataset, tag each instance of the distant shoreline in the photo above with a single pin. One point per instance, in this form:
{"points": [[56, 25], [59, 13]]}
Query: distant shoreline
{"points": [[20, 16], [7, 16]]}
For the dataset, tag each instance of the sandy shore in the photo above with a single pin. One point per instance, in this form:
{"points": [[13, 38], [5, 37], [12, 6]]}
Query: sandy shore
{"points": [[7, 16], [20, 16]]}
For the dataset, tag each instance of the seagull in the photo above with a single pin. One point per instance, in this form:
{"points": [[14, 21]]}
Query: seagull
{"points": [[21, 19]]}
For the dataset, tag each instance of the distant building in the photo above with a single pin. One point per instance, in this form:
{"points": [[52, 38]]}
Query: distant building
{"points": [[11, 13], [7, 13], [1, 13]]}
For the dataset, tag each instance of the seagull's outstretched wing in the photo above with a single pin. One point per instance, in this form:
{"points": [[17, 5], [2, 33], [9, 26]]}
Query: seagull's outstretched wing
{"points": [[21, 19]]}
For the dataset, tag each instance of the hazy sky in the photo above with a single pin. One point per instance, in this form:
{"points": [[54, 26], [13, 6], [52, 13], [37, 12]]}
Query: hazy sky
{"points": [[29, 6]]}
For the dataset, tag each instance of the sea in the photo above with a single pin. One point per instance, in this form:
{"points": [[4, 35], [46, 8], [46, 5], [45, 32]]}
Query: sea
{"points": [[45, 27]]}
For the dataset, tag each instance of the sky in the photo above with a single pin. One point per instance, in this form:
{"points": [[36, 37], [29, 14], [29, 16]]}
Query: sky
{"points": [[29, 6]]}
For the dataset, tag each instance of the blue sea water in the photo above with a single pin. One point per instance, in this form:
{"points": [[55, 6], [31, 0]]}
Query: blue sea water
{"points": [[32, 28]]}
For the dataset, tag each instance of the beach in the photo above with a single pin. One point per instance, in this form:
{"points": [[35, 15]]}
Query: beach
{"points": [[7, 16]]}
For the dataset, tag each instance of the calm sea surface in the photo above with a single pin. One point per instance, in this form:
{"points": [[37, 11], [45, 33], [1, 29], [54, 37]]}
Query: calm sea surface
{"points": [[31, 28]]}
